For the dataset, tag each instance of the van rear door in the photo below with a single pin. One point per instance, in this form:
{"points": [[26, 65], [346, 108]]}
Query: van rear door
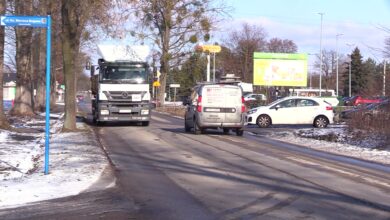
{"points": [[222, 103]]}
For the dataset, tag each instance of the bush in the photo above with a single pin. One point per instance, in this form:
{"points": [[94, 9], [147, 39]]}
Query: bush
{"points": [[372, 125]]}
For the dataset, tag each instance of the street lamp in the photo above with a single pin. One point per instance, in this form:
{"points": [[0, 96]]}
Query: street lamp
{"points": [[337, 64], [320, 13]]}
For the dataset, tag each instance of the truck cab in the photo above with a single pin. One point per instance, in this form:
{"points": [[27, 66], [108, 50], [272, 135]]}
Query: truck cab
{"points": [[121, 92]]}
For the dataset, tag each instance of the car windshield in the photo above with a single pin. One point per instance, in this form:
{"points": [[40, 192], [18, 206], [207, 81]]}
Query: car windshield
{"points": [[126, 74]]}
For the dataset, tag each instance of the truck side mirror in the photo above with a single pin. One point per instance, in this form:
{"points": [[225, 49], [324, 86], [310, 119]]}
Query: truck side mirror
{"points": [[88, 65], [92, 71]]}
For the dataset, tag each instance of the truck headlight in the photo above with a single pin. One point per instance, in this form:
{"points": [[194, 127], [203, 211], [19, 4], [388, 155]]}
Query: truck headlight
{"points": [[104, 112], [145, 112]]}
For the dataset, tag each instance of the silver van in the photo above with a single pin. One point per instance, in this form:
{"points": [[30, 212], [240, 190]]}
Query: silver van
{"points": [[215, 106]]}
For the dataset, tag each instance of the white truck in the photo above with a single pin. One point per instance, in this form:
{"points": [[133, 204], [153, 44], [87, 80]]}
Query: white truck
{"points": [[120, 85]]}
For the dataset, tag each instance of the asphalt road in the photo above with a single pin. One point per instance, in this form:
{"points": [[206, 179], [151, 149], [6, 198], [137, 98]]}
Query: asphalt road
{"points": [[175, 175], [164, 173]]}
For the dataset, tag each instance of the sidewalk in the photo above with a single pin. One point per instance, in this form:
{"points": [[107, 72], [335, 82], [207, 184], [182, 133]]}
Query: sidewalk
{"points": [[76, 162]]}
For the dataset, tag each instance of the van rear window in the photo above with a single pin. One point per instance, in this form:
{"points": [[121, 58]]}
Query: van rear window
{"points": [[220, 96]]}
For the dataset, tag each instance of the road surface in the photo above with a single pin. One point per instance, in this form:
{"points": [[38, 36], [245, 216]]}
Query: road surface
{"points": [[164, 173]]}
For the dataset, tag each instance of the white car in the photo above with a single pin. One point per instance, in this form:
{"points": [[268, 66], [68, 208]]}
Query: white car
{"points": [[255, 97], [293, 110]]}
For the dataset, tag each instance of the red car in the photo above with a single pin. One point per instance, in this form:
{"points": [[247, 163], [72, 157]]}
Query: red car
{"points": [[358, 100]]}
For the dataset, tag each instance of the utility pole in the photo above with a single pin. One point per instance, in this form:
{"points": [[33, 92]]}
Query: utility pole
{"points": [[214, 68], [384, 78], [337, 64], [208, 67], [320, 13]]}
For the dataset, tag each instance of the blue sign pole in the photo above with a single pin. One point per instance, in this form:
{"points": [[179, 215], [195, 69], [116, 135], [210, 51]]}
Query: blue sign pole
{"points": [[40, 22], [47, 129]]}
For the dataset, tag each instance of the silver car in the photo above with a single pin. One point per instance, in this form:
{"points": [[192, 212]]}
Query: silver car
{"points": [[215, 106]]}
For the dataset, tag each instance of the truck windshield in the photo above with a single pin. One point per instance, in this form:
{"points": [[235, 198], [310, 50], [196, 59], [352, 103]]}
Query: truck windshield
{"points": [[137, 75]]}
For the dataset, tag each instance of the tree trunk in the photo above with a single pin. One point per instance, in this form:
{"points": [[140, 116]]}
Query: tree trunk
{"points": [[23, 102], [40, 69], [40, 64], [164, 64], [71, 32], [4, 124], [54, 9]]}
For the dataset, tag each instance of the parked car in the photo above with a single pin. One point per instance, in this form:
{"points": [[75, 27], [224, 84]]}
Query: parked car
{"points": [[359, 100], [7, 105], [255, 97], [79, 98], [215, 106], [293, 110], [368, 112]]}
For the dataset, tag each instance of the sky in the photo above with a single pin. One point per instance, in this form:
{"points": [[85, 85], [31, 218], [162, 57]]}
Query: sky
{"points": [[359, 22]]}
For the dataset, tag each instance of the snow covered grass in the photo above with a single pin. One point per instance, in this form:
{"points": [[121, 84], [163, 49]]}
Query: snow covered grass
{"points": [[339, 139], [76, 161]]}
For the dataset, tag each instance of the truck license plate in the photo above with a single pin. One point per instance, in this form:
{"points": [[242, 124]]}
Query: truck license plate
{"points": [[136, 97], [124, 110]]}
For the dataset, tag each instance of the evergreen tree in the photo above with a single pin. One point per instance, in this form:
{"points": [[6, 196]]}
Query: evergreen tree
{"points": [[358, 75], [192, 71], [374, 78]]}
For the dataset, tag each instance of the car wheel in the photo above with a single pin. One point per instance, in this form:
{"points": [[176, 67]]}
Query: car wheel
{"points": [[239, 131], [197, 129], [321, 122], [226, 130], [186, 127], [263, 121]]}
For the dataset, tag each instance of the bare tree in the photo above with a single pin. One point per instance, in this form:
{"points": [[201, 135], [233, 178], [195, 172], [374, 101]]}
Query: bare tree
{"points": [[4, 124], [242, 44], [39, 61], [75, 17], [276, 45], [173, 25], [23, 102], [328, 68]]}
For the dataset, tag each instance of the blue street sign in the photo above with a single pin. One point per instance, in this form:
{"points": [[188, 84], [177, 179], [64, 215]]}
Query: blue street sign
{"points": [[27, 21]]}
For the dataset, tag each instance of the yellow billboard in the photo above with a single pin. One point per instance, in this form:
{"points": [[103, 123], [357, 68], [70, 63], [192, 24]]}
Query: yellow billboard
{"points": [[278, 69]]}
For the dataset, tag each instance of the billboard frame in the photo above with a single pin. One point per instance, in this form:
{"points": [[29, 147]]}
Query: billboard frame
{"points": [[280, 69]]}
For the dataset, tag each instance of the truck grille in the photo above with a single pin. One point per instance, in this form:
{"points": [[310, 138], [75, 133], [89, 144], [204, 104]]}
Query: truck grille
{"points": [[123, 95]]}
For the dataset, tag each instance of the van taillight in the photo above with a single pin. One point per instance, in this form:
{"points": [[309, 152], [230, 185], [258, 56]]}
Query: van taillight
{"points": [[243, 108], [329, 108], [199, 104]]}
